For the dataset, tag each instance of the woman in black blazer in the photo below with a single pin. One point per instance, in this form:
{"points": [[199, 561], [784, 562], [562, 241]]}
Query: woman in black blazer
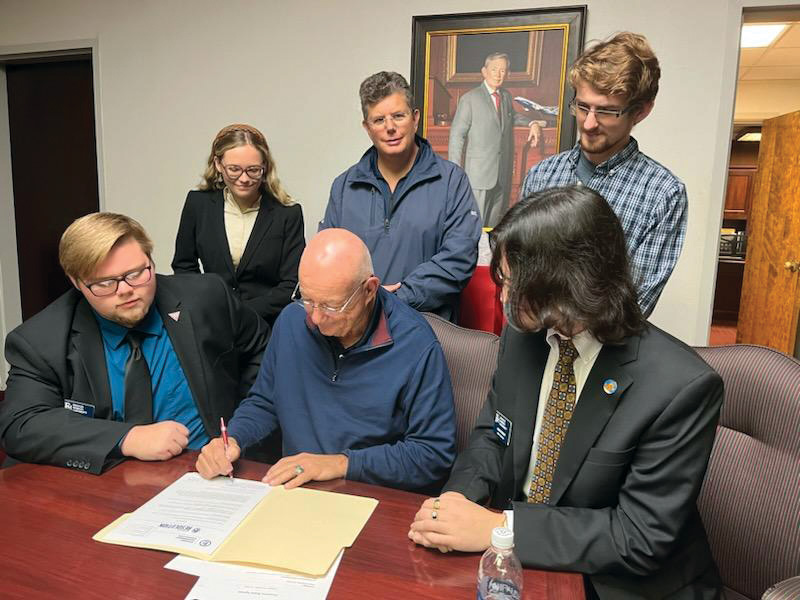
{"points": [[241, 223]]}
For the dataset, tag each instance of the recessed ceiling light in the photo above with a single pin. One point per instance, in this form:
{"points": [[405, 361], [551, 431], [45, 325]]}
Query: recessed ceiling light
{"points": [[753, 136], [760, 36]]}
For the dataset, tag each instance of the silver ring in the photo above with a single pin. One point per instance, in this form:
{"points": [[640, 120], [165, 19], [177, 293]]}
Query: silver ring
{"points": [[298, 470], [434, 514]]}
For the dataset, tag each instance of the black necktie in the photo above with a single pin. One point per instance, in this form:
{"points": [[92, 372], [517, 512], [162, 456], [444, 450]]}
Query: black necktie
{"points": [[138, 387]]}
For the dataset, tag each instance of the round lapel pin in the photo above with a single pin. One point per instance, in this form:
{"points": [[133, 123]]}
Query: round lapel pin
{"points": [[609, 386]]}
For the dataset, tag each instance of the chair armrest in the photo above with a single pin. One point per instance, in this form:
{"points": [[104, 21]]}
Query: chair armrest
{"points": [[788, 589]]}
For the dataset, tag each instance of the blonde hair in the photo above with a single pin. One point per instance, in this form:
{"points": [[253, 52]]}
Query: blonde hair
{"points": [[624, 65], [88, 240], [234, 136]]}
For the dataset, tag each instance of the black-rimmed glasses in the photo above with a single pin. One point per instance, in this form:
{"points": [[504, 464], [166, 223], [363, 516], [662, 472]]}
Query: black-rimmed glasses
{"points": [[108, 287], [297, 297]]}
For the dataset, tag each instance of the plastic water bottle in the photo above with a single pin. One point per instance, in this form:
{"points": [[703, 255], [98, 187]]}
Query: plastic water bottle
{"points": [[500, 572]]}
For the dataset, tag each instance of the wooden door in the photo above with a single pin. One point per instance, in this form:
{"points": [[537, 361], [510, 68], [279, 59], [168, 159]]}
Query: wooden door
{"points": [[771, 293]]}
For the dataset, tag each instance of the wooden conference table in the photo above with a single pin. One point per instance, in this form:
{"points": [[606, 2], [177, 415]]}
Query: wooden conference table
{"points": [[49, 514]]}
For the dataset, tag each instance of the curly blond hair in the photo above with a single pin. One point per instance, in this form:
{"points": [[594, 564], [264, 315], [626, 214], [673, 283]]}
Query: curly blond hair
{"points": [[625, 65], [233, 136]]}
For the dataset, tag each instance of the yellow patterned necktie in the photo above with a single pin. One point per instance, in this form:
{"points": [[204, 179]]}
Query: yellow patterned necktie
{"points": [[557, 415]]}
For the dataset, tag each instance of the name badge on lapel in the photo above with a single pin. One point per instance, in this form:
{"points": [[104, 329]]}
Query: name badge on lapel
{"points": [[81, 408], [502, 427]]}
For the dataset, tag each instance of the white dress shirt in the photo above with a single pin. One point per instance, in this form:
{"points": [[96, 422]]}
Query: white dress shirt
{"points": [[588, 349]]}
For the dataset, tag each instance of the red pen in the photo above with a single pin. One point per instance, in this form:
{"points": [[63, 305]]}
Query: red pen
{"points": [[224, 431]]}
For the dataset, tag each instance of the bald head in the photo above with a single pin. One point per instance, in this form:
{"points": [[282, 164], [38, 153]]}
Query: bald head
{"points": [[337, 284], [333, 258]]}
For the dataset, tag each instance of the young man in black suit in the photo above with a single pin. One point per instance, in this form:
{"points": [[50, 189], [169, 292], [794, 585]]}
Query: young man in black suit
{"points": [[596, 433], [128, 363]]}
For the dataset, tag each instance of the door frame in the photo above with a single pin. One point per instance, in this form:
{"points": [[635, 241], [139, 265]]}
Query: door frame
{"points": [[10, 301]]}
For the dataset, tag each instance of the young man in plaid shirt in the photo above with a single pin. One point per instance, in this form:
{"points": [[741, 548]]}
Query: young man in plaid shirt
{"points": [[616, 83]]}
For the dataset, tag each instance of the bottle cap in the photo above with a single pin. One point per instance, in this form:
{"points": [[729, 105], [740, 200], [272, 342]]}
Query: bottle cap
{"points": [[502, 538]]}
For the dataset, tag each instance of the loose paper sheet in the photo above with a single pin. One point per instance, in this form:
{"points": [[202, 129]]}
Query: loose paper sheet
{"points": [[222, 580]]}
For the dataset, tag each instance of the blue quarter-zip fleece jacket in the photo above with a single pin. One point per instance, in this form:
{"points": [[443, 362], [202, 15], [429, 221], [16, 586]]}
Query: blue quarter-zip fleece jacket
{"points": [[424, 235], [386, 402]]}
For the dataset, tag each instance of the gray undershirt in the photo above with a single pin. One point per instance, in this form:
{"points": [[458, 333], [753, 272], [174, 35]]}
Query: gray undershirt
{"points": [[585, 169]]}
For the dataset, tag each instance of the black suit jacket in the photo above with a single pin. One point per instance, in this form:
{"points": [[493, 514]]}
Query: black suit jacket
{"points": [[267, 271], [58, 355], [622, 508]]}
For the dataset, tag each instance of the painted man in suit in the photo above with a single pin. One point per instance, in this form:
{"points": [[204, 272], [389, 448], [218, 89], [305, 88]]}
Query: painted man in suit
{"points": [[596, 433], [484, 120], [128, 363]]}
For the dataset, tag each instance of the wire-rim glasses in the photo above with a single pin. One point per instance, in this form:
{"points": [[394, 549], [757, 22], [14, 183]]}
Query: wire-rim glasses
{"points": [[297, 298]]}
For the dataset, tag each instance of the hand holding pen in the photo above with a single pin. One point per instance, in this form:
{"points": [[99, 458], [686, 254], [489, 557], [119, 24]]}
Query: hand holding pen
{"points": [[224, 431], [217, 457]]}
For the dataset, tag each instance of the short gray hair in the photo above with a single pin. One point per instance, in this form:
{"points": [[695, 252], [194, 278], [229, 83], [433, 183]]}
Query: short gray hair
{"points": [[380, 85], [495, 56]]}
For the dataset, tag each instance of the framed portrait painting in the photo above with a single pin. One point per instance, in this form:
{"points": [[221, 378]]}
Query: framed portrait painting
{"points": [[493, 93]]}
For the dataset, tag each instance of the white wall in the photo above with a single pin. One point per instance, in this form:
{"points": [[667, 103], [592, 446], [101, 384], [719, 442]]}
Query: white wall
{"points": [[171, 73], [10, 306]]}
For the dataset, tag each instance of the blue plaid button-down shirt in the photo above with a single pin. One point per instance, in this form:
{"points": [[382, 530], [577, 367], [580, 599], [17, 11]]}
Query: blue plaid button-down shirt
{"points": [[648, 199]]}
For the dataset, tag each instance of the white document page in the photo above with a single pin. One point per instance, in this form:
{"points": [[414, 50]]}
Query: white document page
{"points": [[219, 580], [192, 513]]}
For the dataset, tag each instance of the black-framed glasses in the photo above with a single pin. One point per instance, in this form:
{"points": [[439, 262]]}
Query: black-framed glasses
{"points": [[235, 171], [601, 114], [398, 118], [297, 297], [108, 287]]}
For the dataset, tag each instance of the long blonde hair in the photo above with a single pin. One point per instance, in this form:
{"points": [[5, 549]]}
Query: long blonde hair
{"points": [[234, 136]]}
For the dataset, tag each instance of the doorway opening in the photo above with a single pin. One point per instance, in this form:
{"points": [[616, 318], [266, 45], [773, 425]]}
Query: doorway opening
{"points": [[54, 167], [768, 85]]}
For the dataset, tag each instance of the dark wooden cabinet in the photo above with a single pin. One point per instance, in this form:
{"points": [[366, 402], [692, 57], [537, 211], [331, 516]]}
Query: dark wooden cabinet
{"points": [[728, 290], [739, 192], [730, 271]]}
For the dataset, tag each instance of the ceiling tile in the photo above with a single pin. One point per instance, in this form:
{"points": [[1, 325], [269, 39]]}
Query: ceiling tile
{"points": [[790, 38], [780, 57], [760, 73], [750, 56]]}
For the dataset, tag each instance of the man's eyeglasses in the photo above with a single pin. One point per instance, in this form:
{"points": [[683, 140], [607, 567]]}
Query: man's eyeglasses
{"points": [[297, 297], [601, 114], [398, 118], [235, 171], [108, 287]]}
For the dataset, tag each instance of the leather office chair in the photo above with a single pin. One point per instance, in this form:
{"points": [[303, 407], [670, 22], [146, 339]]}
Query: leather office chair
{"points": [[750, 500], [471, 357]]}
